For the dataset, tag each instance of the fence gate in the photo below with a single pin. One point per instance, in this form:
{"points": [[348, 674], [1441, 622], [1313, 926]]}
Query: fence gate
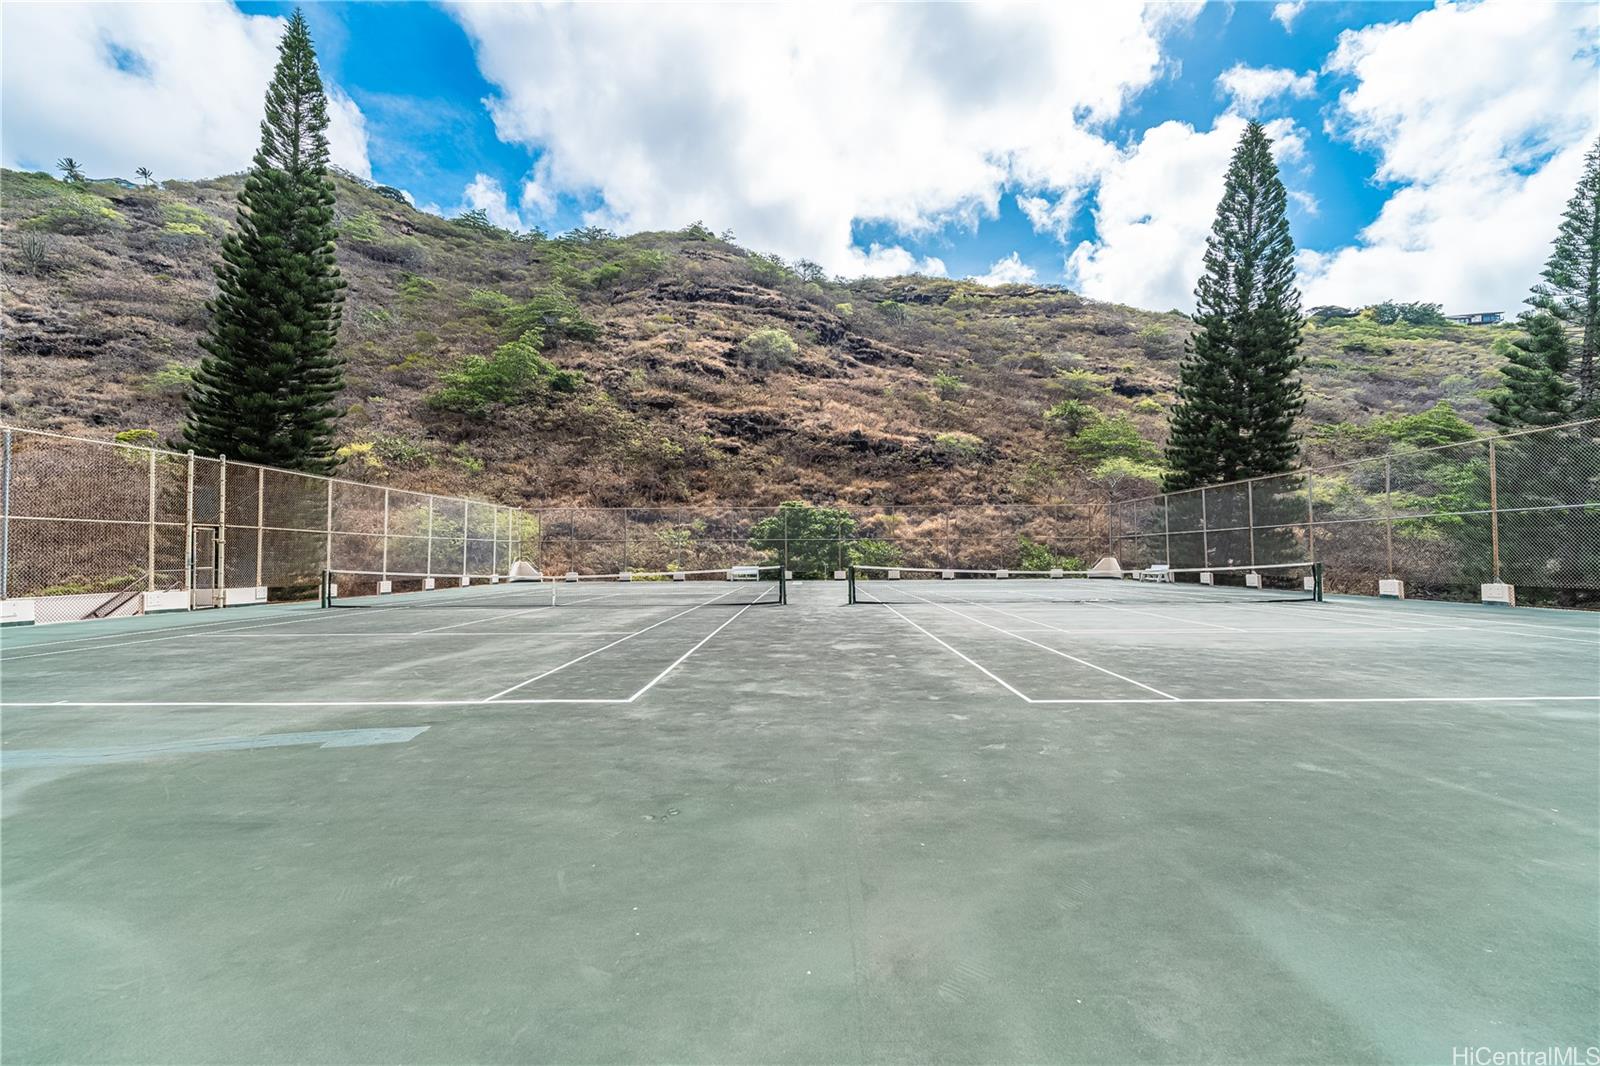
{"points": [[205, 566]]}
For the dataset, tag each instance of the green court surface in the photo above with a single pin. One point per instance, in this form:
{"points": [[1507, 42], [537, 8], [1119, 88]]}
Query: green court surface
{"points": [[985, 830]]}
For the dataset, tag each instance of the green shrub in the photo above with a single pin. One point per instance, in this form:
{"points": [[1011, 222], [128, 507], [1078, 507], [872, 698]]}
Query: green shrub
{"points": [[78, 214], [1079, 384], [1149, 405], [1071, 416], [630, 271], [1111, 438], [814, 541], [947, 386], [959, 445], [767, 349], [893, 310], [187, 220], [146, 438], [171, 380], [515, 373], [1031, 555]]}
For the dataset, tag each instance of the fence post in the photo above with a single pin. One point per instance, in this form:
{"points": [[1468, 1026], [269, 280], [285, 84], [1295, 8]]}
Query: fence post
{"points": [[466, 527], [386, 533], [1250, 513], [494, 540], [1388, 519], [150, 547], [5, 518], [1167, 525], [219, 554], [1205, 531], [429, 567], [625, 539], [1494, 518], [261, 519], [328, 548], [1311, 520], [188, 531]]}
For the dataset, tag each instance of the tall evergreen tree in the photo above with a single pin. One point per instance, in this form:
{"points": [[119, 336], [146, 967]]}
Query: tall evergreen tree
{"points": [[1570, 289], [266, 391], [1536, 392], [1239, 390]]}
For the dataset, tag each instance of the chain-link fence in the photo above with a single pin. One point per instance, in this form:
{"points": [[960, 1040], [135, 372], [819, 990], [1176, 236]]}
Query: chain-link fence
{"points": [[1522, 508], [812, 540], [90, 526]]}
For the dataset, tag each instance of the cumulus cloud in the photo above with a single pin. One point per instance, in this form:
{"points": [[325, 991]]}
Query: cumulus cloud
{"points": [[1154, 211], [1249, 88], [178, 88], [1286, 12], [486, 194], [1008, 271], [792, 124], [1481, 116]]}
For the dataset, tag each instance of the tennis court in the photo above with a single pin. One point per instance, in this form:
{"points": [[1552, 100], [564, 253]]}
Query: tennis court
{"points": [[982, 819]]}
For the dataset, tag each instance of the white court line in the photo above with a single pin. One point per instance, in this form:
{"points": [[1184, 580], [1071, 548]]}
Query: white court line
{"points": [[186, 627], [1126, 610], [597, 651], [680, 659], [1045, 647], [187, 631], [1219, 700], [1491, 627], [990, 674]]}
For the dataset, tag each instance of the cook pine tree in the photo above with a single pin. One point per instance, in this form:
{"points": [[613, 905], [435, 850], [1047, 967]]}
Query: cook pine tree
{"points": [[267, 388], [1239, 388], [1561, 341]]}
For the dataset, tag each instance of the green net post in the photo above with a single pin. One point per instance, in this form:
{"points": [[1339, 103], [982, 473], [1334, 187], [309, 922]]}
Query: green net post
{"points": [[1316, 582], [325, 594], [783, 583], [850, 579]]}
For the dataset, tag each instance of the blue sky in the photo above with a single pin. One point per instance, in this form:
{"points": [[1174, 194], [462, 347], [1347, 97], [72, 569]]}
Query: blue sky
{"points": [[1428, 148]]}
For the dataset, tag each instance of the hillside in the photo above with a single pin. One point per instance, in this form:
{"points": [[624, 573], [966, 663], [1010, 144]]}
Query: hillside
{"points": [[905, 390]]}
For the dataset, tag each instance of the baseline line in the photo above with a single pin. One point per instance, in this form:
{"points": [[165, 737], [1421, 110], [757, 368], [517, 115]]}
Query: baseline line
{"points": [[1220, 700]]}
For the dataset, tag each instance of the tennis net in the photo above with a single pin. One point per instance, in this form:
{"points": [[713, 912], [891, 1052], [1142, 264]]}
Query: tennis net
{"points": [[1217, 584], [736, 586]]}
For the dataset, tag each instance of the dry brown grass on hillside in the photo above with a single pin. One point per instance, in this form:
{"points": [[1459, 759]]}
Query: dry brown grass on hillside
{"points": [[905, 390]]}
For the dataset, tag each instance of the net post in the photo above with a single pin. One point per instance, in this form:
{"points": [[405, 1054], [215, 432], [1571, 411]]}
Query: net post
{"points": [[850, 581], [1316, 582], [325, 595], [783, 584]]}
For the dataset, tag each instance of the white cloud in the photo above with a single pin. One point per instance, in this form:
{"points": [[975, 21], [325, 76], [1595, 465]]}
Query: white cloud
{"points": [[486, 194], [1481, 115], [1154, 212], [175, 87], [1287, 11], [1251, 87], [793, 124], [1008, 271]]}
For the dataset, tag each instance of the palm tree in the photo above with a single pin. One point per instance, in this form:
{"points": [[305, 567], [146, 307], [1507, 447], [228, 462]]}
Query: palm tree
{"points": [[144, 175], [70, 170]]}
